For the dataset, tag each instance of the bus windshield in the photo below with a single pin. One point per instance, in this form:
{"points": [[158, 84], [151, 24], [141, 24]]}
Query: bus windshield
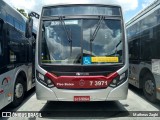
{"points": [[81, 41]]}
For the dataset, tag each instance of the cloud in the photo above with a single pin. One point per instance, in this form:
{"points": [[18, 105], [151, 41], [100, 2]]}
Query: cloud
{"points": [[127, 5], [22, 4]]}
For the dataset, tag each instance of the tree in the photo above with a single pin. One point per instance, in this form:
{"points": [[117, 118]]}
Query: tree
{"points": [[22, 11]]}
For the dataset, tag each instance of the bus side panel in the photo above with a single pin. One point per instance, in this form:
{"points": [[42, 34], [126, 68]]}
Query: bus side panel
{"points": [[157, 80], [30, 81], [6, 85], [134, 74], [7, 81], [27, 70]]}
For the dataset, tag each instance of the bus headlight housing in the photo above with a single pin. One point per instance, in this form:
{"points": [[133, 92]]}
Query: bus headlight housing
{"points": [[44, 80], [119, 79]]}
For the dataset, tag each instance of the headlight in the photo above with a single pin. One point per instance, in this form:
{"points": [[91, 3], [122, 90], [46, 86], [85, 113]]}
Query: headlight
{"points": [[119, 79], [45, 80]]}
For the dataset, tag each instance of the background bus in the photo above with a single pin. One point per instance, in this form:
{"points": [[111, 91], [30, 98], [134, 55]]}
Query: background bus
{"points": [[143, 33], [16, 56], [81, 53]]}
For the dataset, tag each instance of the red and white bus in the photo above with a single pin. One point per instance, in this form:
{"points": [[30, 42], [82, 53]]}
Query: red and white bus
{"points": [[81, 53]]}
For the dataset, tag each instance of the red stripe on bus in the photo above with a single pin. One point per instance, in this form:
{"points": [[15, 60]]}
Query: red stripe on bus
{"points": [[81, 82]]}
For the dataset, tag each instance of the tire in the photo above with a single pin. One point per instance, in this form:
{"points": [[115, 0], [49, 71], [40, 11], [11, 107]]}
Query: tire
{"points": [[19, 90], [149, 88]]}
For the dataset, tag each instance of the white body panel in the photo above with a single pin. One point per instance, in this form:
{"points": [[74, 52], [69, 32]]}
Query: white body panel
{"points": [[108, 94], [8, 87]]}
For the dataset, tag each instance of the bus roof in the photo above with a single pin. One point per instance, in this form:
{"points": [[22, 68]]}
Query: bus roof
{"points": [[143, 12], [69, 4], [15, 13], [12, 11]]}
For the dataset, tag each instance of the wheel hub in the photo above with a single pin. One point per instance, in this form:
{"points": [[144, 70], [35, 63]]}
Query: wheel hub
{"points": [[19, 90], [149, 87]]}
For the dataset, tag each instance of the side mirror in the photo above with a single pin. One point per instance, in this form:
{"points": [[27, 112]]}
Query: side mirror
{"points": [[34, 14], [29, 24], [29, 27]]}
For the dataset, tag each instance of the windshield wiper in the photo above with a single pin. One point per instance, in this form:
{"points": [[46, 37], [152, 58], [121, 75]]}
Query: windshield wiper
{"points": [[93, 36], [68, 34], [101, 18], [118, 43], [117, 46]]}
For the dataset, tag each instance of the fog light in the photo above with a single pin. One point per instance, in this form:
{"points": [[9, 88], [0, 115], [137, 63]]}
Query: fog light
{"points": [[114, 81], [49, 81]]}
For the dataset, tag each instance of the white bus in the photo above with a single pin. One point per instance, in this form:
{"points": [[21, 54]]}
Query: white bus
{"points": [[16, 56], [143, 34], [81, 53]]}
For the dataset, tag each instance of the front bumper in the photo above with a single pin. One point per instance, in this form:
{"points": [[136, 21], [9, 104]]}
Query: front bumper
{"points": [[108, 94]]}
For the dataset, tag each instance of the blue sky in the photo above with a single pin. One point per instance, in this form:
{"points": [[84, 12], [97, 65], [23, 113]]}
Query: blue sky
{"points": [[141, 5], [130, 7]]}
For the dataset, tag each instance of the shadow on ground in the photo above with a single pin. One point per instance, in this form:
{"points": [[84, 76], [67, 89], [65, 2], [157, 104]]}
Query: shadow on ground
{"points": [[73, 110]]}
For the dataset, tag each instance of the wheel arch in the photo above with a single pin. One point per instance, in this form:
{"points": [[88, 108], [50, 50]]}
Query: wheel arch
{"points": [[21, 73], [143, 72]]}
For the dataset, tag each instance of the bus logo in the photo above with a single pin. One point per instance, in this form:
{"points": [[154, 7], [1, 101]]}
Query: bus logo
{"points": [[81, 82], [78, 74], [82, 74]]}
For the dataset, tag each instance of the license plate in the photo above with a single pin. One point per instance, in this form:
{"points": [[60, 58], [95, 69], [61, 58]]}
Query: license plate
{"points": [[81, 98]]}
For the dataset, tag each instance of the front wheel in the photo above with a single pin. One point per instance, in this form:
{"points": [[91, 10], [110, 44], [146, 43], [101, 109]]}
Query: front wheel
{"points": [[19, 90], [149, 88]]}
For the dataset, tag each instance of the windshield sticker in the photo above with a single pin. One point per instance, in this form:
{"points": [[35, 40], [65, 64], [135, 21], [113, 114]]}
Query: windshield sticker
{"points": [[105, 59], [86, 60]]}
